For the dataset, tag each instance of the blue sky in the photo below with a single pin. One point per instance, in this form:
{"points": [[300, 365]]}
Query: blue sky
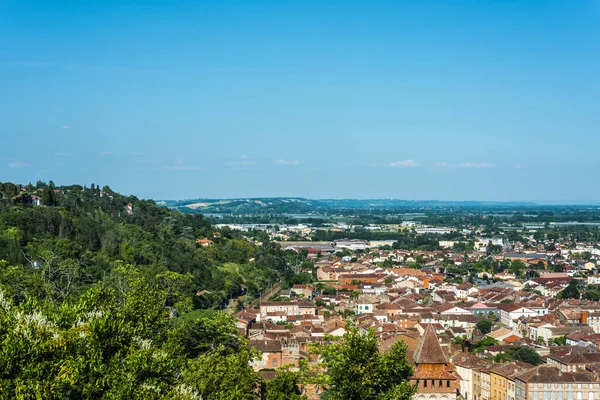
{"points": [[450, 100]]}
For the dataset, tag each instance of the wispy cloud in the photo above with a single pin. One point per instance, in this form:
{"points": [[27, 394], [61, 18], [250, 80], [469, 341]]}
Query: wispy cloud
{"points": [[281, 161], [62, 154], [18, 164], [180, 165], [243, 161], [66, 127], [107, 153], [476, 165], [442, 164], [404, 164]]}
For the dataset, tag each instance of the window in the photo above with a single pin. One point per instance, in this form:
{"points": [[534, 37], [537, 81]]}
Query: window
{"points": [[274, 362], [535, 395], [425, 383], [545, 395], [447, 384], [440, 383], [552, 395], [560, 396], [579, 395], [570, 394], [591, 395]]}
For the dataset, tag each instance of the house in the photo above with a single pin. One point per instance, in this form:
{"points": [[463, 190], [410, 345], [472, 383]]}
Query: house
{"points": [[484, 310], [350, 244], [128, 208], [271, 354], [527, 258], [278, 308], [455, 310], [549, 332], [365, 305], [502, 379], [549, 382], [307, 291], [307, 307], [346, 279], [510, 312], [574, 359], [205, 242], [243, 322], [465, 364], [502, 333], [27, 200], [465, 290], [329, 273]]}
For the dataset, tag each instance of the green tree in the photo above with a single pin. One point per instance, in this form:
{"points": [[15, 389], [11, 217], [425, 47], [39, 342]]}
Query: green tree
{"points": [[571, 291], [485, 326], [48, 197], [220, 376], [284, 386], [517, 267], [356, 370], [591, 294], [527, 355]]}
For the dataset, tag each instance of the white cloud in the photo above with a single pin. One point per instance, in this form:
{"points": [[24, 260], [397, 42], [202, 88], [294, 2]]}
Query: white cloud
{"points": [[404, 163], [18, 164], [476, 165], [281, 161], [244, 161]]}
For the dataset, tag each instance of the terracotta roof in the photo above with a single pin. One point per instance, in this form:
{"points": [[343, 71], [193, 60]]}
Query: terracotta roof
{"points": [[429, 350], [266, 346], [551, 374]]}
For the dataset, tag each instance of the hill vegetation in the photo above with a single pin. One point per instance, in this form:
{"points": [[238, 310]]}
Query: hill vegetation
{"points": [[109, 296]]}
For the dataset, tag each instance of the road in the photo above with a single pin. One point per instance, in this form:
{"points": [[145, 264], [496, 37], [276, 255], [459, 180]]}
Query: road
{"points": [[265, 295]]}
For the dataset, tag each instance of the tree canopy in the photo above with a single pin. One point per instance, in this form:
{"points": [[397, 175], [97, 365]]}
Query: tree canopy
{"points": [[357, 370]]}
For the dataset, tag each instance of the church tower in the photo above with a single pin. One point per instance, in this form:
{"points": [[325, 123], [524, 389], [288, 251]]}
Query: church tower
{"points": [[434, 374]]}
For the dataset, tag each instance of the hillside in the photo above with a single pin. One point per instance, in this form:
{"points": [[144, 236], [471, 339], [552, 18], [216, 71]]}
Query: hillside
{"points": [[109, 296]]}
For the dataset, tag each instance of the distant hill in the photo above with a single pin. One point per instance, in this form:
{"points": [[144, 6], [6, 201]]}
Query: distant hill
{"points": [[245, 206], [296, 205]]}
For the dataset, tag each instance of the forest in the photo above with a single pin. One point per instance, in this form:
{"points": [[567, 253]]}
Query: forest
{"points": [[109, 296]]}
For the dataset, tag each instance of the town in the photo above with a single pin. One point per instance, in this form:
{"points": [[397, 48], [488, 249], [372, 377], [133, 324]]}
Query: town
{"points": [[484, 317]]}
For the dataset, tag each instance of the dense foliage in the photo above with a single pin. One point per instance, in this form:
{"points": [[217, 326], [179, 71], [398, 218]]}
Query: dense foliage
{"points": [[91, 287], [357, 370], [84, 234]]}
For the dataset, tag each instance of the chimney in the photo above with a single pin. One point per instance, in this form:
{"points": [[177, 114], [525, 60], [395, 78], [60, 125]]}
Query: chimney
{"points": [[584, 317]]}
